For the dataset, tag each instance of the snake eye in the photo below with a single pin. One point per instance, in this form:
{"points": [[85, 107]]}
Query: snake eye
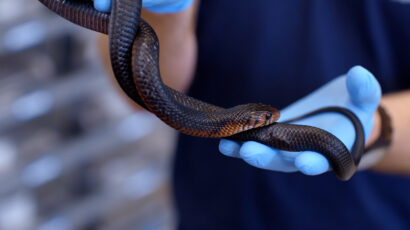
{"points": [[268, 116]]}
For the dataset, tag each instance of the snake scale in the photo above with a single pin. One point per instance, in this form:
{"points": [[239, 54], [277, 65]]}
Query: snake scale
{"points": [[134, 52]]}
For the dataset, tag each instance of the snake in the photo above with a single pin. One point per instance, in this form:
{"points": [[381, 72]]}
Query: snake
{"points": [[134, 54]]}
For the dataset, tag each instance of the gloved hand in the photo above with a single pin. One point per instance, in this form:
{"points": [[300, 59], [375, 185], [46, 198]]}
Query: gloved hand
{"points": [[159, 6], [358, 91]]}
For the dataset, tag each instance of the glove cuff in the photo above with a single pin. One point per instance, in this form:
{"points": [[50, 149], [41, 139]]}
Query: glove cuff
{"points": [[171, 8], [378, 149]]}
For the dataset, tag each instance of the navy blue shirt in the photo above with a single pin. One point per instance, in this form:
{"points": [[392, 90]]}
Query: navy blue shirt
{"points": [[276, 52]]}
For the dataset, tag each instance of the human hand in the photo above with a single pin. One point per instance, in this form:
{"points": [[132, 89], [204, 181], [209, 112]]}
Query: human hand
{"points": [[357, 91], [158, 6]]}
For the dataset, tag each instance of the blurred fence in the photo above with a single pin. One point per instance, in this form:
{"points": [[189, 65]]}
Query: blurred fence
{"points": [[73, 153]]}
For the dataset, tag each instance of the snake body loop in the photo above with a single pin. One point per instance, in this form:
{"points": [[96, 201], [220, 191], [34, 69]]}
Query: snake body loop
{"points": [[134, 52]]}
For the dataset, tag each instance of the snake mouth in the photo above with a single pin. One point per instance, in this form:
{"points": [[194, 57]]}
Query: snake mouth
{"points": [[262, 119], [264, 115]]}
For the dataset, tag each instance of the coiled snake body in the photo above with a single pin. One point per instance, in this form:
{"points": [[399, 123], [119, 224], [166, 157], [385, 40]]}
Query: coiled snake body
{"points": [[134, 51]]}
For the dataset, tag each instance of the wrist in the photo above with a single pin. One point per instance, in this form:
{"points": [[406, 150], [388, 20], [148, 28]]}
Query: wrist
{"points": [[376, 129], [379, 143], [173, 7]]}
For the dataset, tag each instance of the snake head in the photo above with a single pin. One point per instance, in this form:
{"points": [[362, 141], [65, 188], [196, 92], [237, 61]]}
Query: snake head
{"points": [[250, 116], [245, 117], [262, 115]]}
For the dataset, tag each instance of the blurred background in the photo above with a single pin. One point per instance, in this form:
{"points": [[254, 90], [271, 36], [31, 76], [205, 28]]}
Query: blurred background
{"points": [[74, 154]]}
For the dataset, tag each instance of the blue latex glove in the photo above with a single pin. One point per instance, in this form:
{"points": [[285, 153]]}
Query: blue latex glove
{"points": [[159, 6], [358, 91]]}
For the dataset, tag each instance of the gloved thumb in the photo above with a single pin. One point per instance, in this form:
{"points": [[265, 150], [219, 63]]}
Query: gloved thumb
{"points": [[363, 88], [365, 94]]}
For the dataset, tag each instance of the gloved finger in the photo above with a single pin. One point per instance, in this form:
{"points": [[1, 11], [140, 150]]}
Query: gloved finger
{"points": [[229, 148], [289, 156], [264, 157], [166, 6], [158, 3], [152, 3], [102, 5], [308, 162], [363, 88], [365, 93], [311, 163]]}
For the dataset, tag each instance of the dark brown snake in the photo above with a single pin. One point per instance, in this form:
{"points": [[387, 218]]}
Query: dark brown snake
{"points": [[134, 51]]}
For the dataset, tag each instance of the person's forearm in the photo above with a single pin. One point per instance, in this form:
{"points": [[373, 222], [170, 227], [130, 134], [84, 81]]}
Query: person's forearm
{"points": [[397, 160], [178, 49]]}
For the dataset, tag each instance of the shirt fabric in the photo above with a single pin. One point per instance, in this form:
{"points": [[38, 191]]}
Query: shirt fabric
{"points": [[276, 52]]}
